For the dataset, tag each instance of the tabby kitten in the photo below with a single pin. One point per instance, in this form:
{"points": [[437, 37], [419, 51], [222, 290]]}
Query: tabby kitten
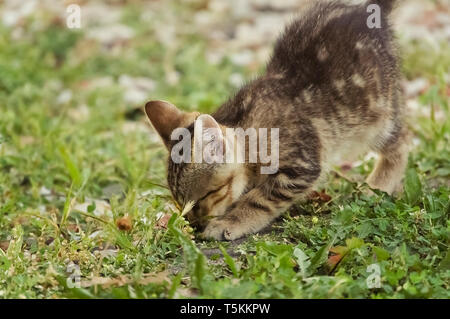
{"points": [[332, 88]]}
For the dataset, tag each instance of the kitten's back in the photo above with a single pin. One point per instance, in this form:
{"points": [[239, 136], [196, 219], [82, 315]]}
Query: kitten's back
{"points": [[330, 42]]}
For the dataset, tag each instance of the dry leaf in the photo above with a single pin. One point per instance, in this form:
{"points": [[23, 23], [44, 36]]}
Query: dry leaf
{"points": [[322, 196], [146, 279], [333, 261], [73, 228], [4, 245], [162, 222], [338, 253], [124, 223], [346, 166]]}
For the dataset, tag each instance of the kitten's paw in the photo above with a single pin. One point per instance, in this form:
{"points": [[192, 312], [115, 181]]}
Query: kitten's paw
{"points": [[220, 229]]}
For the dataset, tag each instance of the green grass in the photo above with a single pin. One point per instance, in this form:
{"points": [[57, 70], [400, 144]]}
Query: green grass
{"points": [[48, 145]]}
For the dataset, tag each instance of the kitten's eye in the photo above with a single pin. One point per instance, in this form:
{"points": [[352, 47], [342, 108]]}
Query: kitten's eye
{"points": [[212, 192]]}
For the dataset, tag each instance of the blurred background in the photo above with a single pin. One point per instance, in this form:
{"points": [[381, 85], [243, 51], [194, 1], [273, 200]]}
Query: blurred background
{"points": [[172, 49]]}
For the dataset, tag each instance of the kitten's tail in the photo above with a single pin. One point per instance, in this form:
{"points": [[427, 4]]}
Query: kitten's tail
{"points": [[386, 5]]}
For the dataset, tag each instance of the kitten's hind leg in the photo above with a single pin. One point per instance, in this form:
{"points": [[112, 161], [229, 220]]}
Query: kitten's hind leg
{"points": [[390, 166]]}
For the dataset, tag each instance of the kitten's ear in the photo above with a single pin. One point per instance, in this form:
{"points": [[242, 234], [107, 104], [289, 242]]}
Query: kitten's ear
{"points": [[165, 117], [209, 143]]}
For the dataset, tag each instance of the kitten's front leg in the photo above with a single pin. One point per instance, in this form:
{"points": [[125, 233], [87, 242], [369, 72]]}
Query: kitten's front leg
{"points": [[256, 209], [248, 216]]}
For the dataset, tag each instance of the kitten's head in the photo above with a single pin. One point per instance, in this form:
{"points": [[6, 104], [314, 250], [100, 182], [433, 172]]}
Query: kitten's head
{"points": [[212, 187]]}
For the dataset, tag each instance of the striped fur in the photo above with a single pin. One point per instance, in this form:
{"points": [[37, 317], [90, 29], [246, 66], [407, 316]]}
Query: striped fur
{"points": [[332, 87]]}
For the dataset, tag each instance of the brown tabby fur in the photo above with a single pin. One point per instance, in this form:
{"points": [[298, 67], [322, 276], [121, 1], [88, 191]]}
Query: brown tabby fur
{"points": [[332, 87]]}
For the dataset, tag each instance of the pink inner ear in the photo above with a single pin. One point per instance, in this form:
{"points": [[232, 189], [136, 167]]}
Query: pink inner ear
{"points": [[208, 140], [208, 121], [208, 127]]}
